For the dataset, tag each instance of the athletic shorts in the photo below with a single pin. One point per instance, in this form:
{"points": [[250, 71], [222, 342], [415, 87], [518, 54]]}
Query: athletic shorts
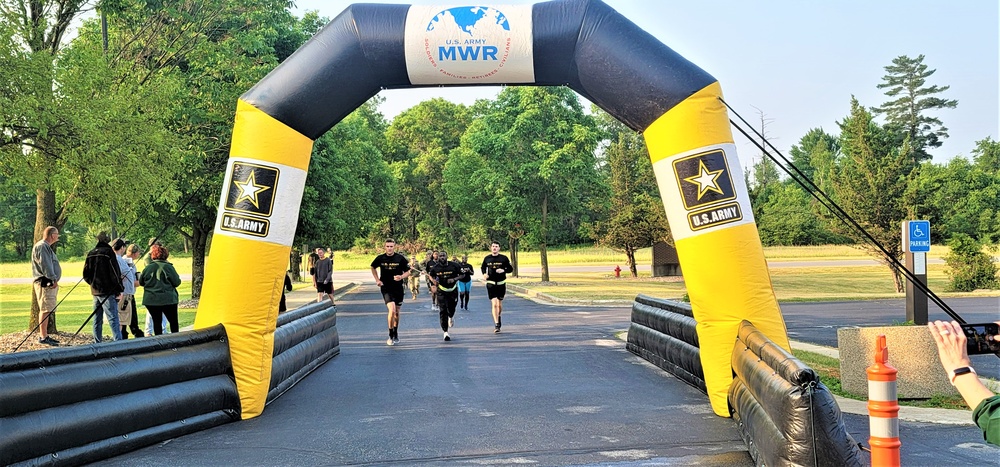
{"points": [[326, 288], [394, 295], [496, 291], [47, 297], [464, 286]]}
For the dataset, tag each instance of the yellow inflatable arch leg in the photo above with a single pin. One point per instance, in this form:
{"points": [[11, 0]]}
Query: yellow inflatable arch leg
{"points": [[254, 231], [709, 212]]}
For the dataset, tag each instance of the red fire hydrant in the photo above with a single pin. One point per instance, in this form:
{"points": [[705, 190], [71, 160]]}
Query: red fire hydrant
{"points": [[618, 271]]}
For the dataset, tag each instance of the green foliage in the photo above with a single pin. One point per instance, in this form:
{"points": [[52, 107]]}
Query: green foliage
{"points": [[969, 268], [634, 218], [340, 202], [786, 218], [905, 82], [539, 171], [870, 181], [418, 143], [961, 198]]}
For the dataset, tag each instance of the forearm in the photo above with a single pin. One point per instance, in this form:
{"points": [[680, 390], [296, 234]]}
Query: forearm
{"points": [[374, 275], [972, 389]]}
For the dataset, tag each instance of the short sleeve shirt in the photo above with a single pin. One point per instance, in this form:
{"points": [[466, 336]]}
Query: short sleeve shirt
{"points": [[389, 267]]}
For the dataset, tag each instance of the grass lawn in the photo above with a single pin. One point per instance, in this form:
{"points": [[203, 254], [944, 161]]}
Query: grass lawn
{"points": [[790, 283], [74, 309]]}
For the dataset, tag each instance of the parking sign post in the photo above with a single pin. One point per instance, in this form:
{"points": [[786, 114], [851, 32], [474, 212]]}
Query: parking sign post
{"points": [[916, 244]]}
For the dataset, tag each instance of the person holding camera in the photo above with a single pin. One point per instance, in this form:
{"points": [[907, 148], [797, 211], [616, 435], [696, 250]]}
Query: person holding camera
{"points": [[954, 355]]}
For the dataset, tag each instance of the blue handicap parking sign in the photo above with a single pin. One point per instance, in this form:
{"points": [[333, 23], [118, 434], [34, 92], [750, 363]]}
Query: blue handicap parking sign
{"points": [[919, 238]]}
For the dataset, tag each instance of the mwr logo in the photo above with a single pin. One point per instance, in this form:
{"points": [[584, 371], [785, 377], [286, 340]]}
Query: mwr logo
{"points": [[704, 179], [245, 224], [468, 42], [251, 188]]}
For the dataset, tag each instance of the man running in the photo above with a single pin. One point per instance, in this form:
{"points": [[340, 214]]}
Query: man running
{"points": [[495, 267], [445, 275], [431, 260], [416, 269], [465, 282], [393, 270]]}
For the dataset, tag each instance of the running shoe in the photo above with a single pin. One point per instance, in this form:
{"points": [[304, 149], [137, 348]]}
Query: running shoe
{"points": [[390, 342], [395, 340], [451, 322], [446, 336], [48, 341], [497, 329]]}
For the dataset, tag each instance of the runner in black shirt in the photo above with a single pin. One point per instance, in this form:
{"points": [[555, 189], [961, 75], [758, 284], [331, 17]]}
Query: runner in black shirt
{"points": [[394, 269], [495, 268], [445, 275], [465, 282]]}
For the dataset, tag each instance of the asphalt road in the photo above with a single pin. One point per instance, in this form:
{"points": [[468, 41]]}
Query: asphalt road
{"points": [[555, 388]]}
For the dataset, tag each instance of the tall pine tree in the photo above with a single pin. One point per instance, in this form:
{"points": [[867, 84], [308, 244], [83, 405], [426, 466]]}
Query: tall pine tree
{"points": [[905, 83]]}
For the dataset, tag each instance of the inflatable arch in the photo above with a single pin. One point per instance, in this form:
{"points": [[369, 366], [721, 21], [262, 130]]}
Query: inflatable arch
{"points": [[583, 44]]}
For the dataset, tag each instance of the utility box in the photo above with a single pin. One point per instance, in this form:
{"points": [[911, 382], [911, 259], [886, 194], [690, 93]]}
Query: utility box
{"points": [[665, 262]]}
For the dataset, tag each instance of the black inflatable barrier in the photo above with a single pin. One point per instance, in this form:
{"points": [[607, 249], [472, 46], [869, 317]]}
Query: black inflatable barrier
{"points": [[305, 338], [786, 416], [64, 406], [663, 333]]}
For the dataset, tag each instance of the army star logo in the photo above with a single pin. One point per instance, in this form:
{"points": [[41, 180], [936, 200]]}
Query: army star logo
{"points": [[249, 190], [252, 188], [705, 180]]}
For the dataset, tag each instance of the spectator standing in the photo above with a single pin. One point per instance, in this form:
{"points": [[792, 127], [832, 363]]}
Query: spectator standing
{"points": [[102, 272], [287, 287], [133, 253], [127, 296], [324, 276], [45, 275], [160, 280]]}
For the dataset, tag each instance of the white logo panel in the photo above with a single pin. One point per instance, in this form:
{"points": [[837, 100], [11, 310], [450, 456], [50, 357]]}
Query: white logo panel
{"points": [[260, 201], [703, 191], [471, 44]]}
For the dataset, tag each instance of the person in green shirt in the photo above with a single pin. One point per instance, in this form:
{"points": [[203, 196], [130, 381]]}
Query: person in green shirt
{"points": [[952, 350], [159, 281]]}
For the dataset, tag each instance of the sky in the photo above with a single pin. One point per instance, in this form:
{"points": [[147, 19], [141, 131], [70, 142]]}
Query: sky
{"points": [[799, 62]]}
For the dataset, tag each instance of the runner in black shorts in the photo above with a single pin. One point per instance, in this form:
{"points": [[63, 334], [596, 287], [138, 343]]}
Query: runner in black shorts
{"points": [[393, 270], [445, 275], [495, 268]]}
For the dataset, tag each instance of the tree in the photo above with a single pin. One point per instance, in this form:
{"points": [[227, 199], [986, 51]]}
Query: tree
{"points": [[216, 49], [349, 188], [870, 181], [969, 268], [419, 140], [977, 215], [814, 156], [986, 155], [634, 218], [536, 148], [906, 83]]}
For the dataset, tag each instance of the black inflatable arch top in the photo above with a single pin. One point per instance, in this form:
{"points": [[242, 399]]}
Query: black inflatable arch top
{"points": [[583, 44]]}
